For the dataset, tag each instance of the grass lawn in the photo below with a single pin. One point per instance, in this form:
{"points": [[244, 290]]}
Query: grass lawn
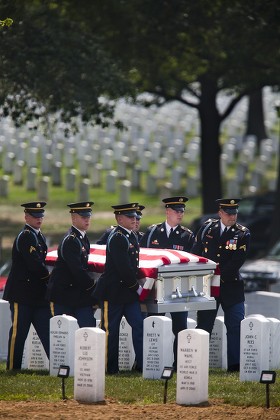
{"points": [[131, 388]]}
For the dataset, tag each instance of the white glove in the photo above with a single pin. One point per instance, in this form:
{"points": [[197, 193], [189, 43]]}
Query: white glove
{"points": [[139, 290]]}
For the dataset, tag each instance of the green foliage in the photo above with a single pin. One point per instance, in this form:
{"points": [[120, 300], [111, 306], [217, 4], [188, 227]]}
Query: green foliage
{"points": [[131, 388], [51, 65], [6, 22]]}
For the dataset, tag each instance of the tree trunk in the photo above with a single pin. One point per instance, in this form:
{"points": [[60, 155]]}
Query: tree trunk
{"points": [[210, 147], [275, 222], [255, 116]]}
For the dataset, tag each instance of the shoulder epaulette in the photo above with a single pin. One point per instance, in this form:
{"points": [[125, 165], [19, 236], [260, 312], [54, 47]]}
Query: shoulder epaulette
{"points": [[187, 229], [210, 220], [206, 225], [116, 233], [25, 231], [119, 232], [70, 235], [241, 227], [154, 225]]}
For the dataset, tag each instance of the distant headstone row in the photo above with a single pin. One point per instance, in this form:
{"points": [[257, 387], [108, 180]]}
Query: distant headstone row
{"points": [[159, 150]]}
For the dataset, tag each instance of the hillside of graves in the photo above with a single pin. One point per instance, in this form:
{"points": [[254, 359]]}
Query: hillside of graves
{"points": [[158, 155]]}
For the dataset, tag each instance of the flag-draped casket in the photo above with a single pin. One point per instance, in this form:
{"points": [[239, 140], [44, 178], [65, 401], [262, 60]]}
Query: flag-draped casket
{"points": [[172, 280]]}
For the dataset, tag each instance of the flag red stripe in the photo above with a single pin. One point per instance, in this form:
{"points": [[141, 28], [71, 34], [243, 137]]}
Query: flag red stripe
{"points": [[97, 259]]}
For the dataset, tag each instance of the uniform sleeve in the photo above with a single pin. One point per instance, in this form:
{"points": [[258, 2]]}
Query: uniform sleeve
{"points": [[238, 257], [30, 251], [73, 256], [122, 262]]}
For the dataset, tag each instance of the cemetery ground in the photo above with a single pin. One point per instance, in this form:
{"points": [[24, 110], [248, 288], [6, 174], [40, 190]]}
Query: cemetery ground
{"points": [[36, 395]]}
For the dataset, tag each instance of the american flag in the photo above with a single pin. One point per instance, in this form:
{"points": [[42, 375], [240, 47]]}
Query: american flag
{"points": [[149, 259]]}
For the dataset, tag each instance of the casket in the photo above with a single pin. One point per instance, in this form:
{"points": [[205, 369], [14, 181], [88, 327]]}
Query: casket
{"points": [[172, 281]]}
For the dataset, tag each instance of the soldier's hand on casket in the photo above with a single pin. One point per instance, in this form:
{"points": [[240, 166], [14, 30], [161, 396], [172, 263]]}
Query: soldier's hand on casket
{"points": [[142, 281]]}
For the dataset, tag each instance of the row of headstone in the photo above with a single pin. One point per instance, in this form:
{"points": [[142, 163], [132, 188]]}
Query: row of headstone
{"points": [[158, 339], [260, 350], [157, 137], [259, 346], [121, 156], [115, 182]]}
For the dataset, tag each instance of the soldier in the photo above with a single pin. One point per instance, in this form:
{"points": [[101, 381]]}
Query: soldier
{"points": [[226, 242], [26, 285], [71, 282], [118, 288], [139, 215], [170, 234], [103, 238]]}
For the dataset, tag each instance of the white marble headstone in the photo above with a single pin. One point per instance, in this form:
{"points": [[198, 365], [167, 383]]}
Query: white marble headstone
{"points": [[126, 350], [89, 366], [192, 367], [5, 316], [274, 359], [254, 347], [191, 323], [218, 345], [34, 355], [158, 343], [62, 339]]}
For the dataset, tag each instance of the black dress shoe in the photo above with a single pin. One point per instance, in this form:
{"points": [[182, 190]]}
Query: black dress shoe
{"points": [[234, 368]]}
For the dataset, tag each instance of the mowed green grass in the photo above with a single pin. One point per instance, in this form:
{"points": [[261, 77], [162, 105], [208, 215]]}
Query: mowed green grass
{"points": [[131, 388]]}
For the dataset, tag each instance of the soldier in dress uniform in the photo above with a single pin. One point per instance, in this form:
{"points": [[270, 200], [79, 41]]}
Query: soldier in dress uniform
{"points": [[226, 242], [139, 215], [118, 289], [71, 283], [26, 285], [172, 235], [103, 238]]}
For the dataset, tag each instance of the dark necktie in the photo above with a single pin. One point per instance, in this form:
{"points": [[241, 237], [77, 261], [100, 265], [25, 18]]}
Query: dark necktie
{"points": [[132, 237], [40, 236], [170, 232], [224, 232]]}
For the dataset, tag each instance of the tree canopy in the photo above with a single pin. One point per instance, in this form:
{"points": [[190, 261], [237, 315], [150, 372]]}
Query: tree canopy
{"points": [[63, 55], [191, 52], [52, 65]]}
